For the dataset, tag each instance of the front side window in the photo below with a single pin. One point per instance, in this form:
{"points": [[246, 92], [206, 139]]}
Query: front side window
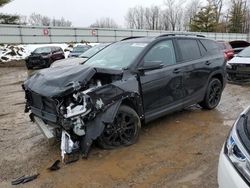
{"points": [[189, 49], [161, 53]]}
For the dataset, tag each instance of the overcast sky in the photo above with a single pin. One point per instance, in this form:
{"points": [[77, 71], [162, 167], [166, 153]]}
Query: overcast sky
{"points": [[79, 12]]}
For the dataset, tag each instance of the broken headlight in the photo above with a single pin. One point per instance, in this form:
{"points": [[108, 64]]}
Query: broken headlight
{"points": [[237, 153]]}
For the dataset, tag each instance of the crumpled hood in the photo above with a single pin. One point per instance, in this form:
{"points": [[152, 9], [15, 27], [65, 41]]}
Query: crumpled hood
{"points": [[61, 81], [68, 62]]}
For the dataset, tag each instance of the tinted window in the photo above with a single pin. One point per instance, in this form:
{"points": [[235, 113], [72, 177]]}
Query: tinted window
{"points": [[42, 50], [189, 49], [210, 45], [162, 52]]}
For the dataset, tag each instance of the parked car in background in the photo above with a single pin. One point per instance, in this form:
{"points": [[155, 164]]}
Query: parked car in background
{"points": [[94, 50], [239, 45], [227, 49], [81, 59], [78, 50], [44, 56], [234, 162], [128, 83], [238, 68]]}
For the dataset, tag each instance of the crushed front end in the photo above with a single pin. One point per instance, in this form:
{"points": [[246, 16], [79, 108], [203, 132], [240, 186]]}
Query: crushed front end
{"points": [[76, 111]]}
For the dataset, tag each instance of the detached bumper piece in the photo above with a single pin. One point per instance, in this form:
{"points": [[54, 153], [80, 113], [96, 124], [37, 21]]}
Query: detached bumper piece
{"points": [[69, 149], [24, 179]]}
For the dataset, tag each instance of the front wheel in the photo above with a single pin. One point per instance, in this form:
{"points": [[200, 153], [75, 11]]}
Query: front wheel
{"points": [[213, 94], [124, 130]]}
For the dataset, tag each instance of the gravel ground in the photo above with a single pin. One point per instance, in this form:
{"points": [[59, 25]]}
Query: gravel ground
{"points": [[179, 150]]}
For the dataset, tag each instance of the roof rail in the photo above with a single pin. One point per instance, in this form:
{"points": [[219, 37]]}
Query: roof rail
{"points": [[175, 34], [135, 37]]}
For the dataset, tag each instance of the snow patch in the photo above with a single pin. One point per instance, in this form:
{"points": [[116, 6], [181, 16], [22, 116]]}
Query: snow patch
{"points": [[10, 52]]}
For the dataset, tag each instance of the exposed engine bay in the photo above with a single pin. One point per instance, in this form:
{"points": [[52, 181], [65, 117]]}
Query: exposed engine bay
{"points": [[76, 111]]}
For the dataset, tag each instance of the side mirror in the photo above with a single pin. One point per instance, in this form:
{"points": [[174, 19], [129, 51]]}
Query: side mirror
{"points": [[152, 65]]}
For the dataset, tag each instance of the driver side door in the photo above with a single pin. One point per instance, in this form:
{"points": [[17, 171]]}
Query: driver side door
{"points": [[162, 89]]}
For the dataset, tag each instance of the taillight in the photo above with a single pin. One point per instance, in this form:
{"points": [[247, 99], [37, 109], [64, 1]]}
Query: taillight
{"points": [[225, 56]]}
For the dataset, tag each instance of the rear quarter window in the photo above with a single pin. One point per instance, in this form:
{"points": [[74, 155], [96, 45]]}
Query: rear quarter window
{"points": [[210, 45], [189, 49]]}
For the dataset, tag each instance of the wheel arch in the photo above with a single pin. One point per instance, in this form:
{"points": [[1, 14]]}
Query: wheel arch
{"points": [[135, 103], [220, 76]]}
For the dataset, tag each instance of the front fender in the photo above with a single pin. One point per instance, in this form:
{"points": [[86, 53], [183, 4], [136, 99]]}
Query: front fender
{"points": [[95, 127]]}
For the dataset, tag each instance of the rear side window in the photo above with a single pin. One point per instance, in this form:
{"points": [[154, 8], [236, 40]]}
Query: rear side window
{"points": [[210, 45], [189, 49]]}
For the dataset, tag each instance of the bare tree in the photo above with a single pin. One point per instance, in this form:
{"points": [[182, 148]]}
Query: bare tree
{"points": [[192, 9], [61, 22], [164, 21], [174, 12], [135, 17], [35, 19], [152, 18], [40, 20], [45, 21], [23, 20], [130, 18], [104, 23]]}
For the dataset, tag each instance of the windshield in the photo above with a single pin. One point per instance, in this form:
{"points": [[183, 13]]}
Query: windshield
{"points": [[117, 56], [80, 48], [42, 50], [93, 51], [245, 52]]}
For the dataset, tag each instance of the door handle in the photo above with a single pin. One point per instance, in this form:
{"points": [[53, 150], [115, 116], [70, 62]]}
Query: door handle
{"points": [[176, 71], [208, 62]]}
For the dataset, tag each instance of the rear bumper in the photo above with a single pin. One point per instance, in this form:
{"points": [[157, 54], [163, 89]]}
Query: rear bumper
{"points": [[228, 177]]}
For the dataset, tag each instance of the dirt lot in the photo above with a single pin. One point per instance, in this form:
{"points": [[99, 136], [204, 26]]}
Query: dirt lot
{"points": [[179, 150]]}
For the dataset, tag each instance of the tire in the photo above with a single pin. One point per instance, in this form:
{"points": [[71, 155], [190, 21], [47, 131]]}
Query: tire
{"points": [[124, 131], [50, 61], [213, 94], [28, 67]]}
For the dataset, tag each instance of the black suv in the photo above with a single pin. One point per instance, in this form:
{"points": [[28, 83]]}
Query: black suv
{"points": [[127, 84], [43, 57]]}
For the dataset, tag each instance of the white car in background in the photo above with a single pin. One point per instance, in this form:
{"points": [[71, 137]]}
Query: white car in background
{"points": [[234, 162], [238, 68]]}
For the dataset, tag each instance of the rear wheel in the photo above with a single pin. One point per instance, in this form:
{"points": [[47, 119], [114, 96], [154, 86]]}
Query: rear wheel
{"points": [[124, 130], [213, 94]]}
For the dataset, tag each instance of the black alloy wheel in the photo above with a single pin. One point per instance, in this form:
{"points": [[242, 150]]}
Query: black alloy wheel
{"points": [[124, 130], [213, 94]]}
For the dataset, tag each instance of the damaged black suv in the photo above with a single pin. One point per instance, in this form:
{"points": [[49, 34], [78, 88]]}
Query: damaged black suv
{"points": [[127, 84]]}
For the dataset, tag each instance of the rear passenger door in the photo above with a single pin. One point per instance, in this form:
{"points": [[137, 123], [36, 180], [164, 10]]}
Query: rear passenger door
{"points": [[194, 68]]}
